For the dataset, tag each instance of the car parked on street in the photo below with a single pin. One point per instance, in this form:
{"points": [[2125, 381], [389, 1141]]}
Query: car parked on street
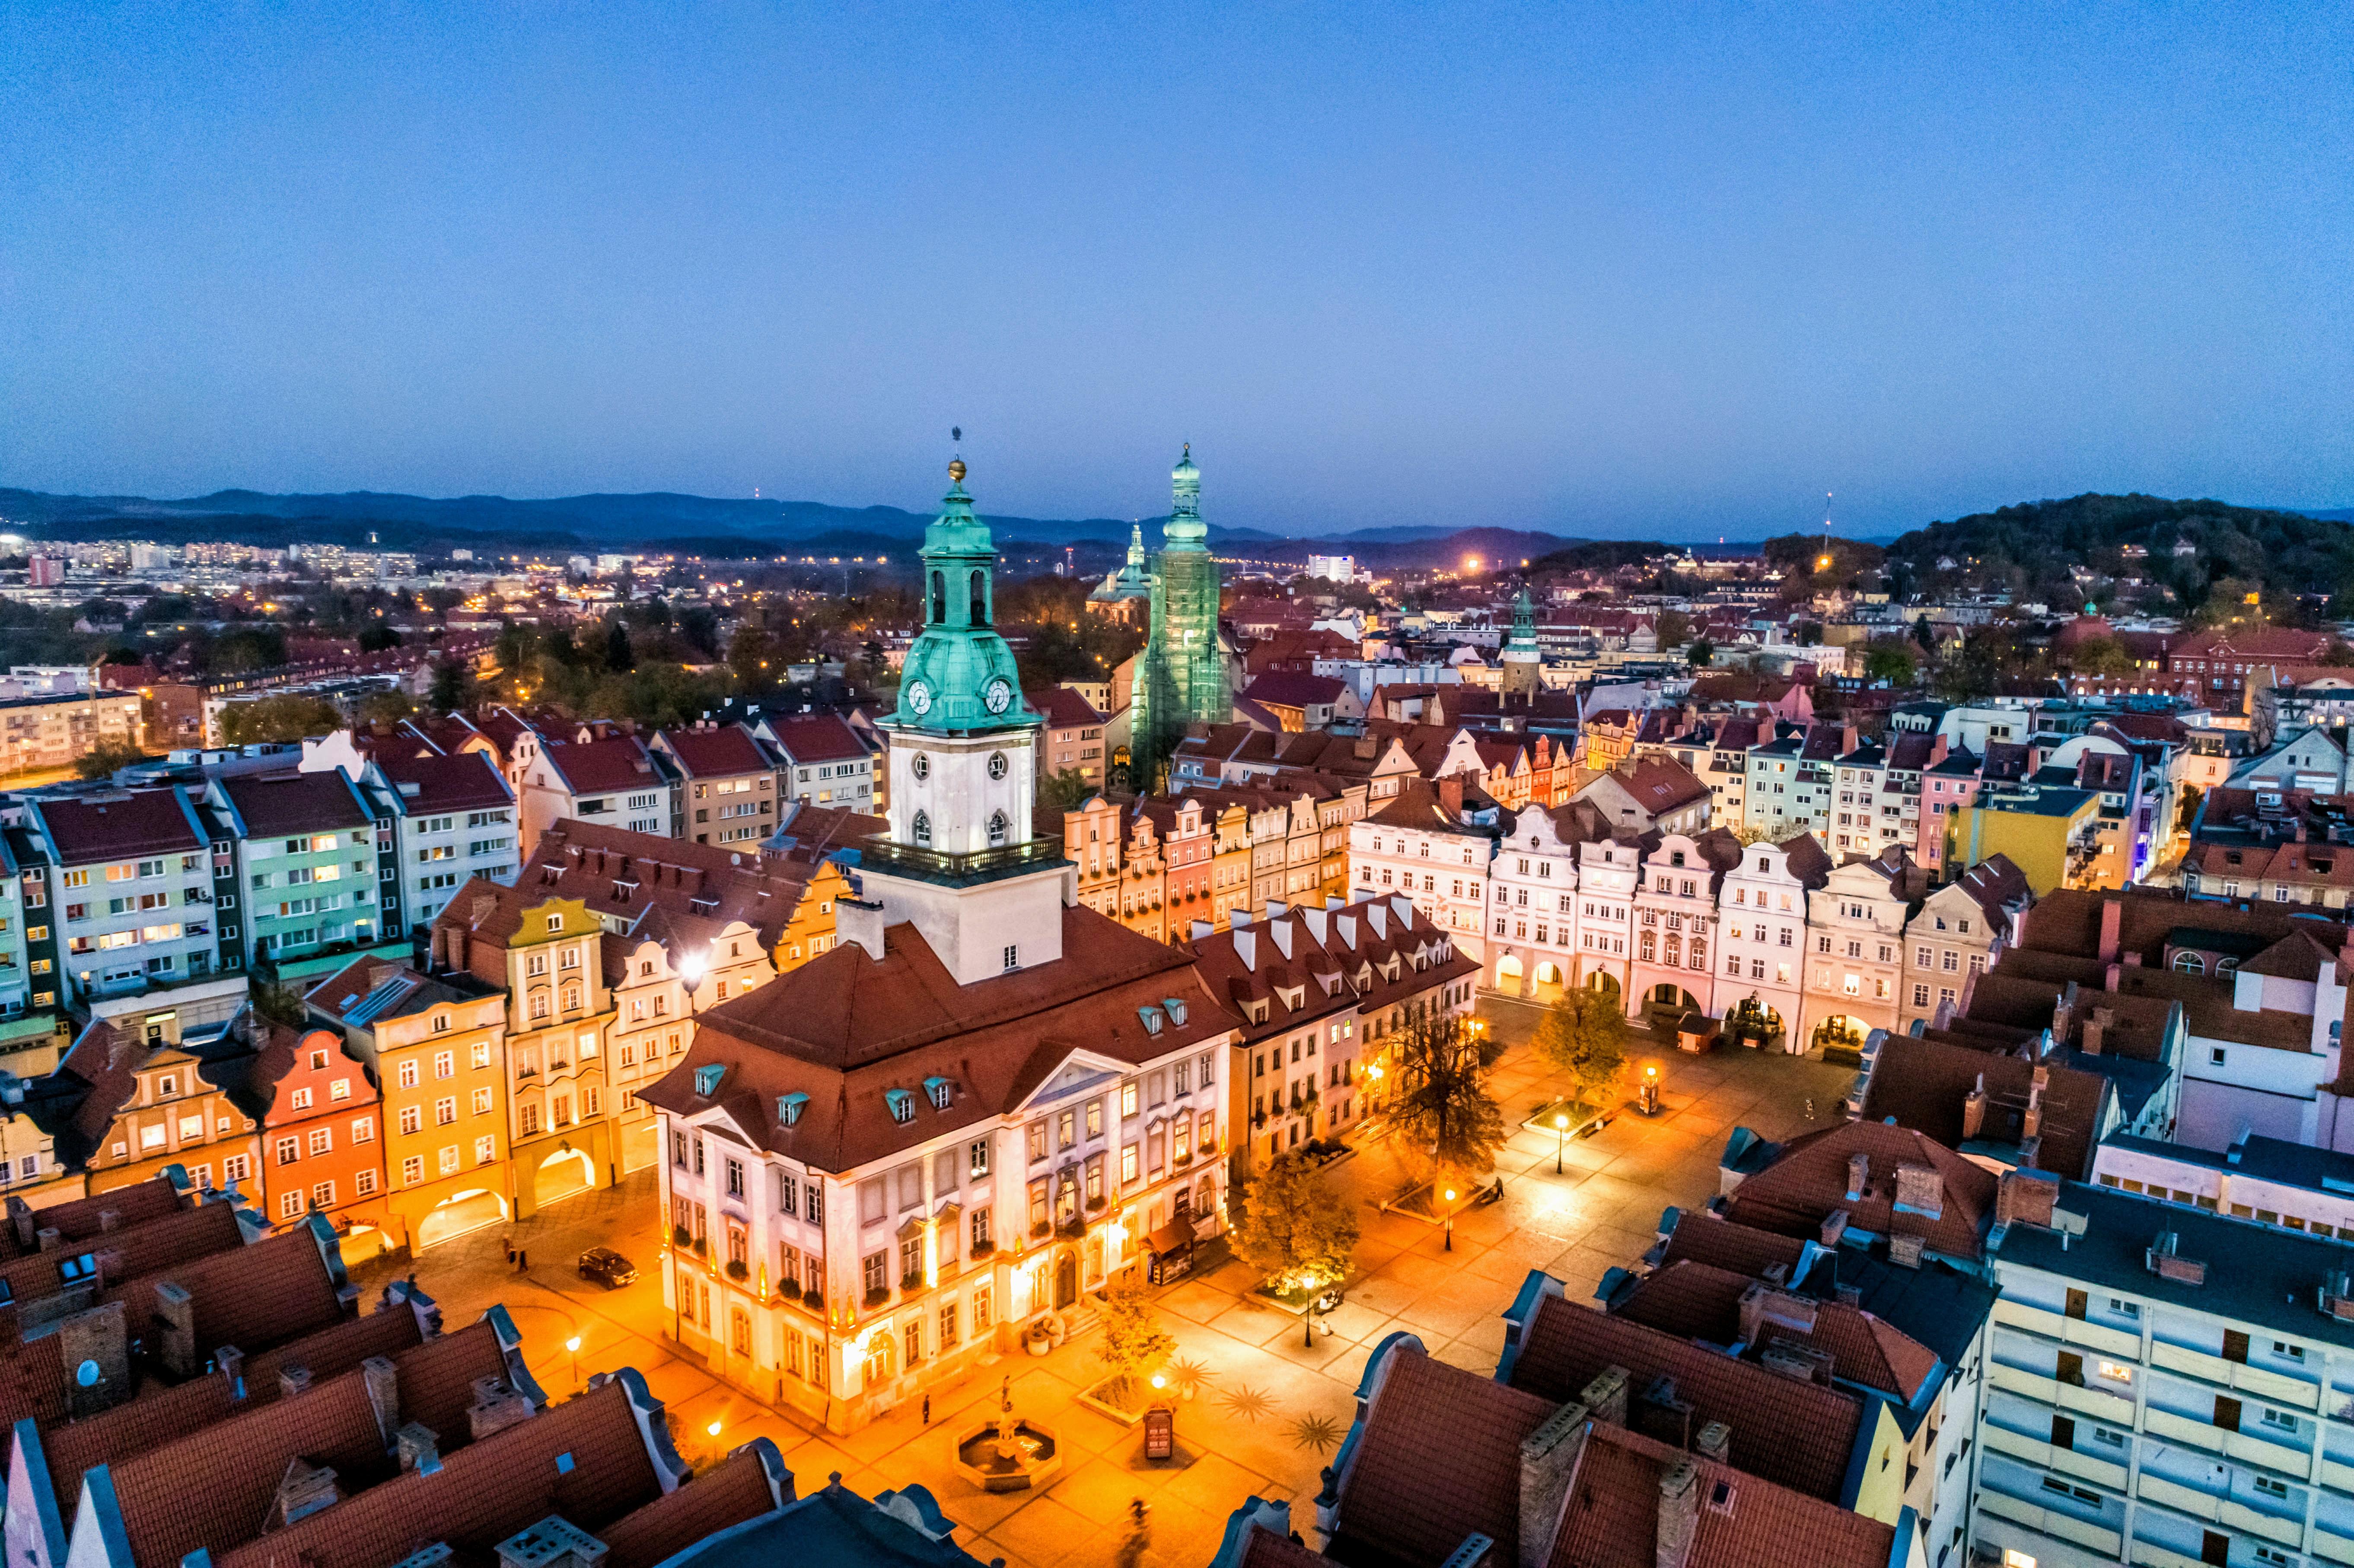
{"points": [[607, 1267]]}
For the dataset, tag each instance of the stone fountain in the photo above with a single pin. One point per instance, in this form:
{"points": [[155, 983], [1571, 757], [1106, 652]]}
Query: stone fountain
{"points": [[1008, 1453]]}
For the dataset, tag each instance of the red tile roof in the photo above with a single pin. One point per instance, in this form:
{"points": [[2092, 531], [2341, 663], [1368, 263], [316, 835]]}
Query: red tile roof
{"points": [[719, 752], [845, 1028], [1698, 1302], [817, 737], [467, 781], [1796, 1435], [1808, 1180], [481, 1495], [603, 767], [118, 826], [278, 803], [734, 1490], [80, 1217], [1063, 709], [1439, 1458], [1611, 1519]]}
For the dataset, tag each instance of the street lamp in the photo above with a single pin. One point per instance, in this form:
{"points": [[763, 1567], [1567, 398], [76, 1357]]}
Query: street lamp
{"points": [[1450, 1219], [1650, 1091], [691, 967], [714, 1430], [1561, 1141], [573, 1345]]}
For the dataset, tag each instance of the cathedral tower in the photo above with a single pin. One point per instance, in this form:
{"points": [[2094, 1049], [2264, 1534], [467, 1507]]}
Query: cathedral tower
{"points": [[1180, 675]]}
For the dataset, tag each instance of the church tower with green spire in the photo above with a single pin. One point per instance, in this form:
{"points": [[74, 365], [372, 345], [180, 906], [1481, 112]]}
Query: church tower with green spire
{"points": [[1180, 676], [1523, 657]]}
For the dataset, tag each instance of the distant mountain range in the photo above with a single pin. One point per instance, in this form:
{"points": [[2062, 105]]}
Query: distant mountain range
{"points": [[689, 524]]}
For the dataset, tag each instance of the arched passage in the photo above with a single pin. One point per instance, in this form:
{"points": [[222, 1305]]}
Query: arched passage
{"points": [[1509, 974], [1549, 981], [562, 1174], [459, 1214]]}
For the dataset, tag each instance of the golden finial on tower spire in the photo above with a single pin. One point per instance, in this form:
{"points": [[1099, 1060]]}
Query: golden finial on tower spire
{"points": [[956, 471]]}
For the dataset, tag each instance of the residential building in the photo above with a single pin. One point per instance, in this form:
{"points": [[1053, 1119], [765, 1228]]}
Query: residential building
{"points": [[544, 951], [1958, 932], [1532, 941], [1429, 843], [1185, 826], [2165, 1384], [313, 867], [130, 881], [453, 819], [1651, 794], [1855, 931], [1673, 974], [56, 731], [2219, 663], [131, 1101], [1317, 992], [2050, 832], [1074, 736], [1143, 878], [436, 1045], [322, 1135], [621, 782], [729, 783], [1762, 905]]}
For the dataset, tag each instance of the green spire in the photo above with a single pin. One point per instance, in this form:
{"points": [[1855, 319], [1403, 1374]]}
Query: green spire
{"points": [[1524, 623], [960, 675], [1183, 530]]}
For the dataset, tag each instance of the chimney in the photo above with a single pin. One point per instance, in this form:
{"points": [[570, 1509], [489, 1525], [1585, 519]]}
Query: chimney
{"points": [[2113, 913], [1714, 1442], [303, 1491], [2162, 1260], [2030, 1124], [2025, 1196], [1450, 794], [2096, 1029], [1904, 1251], [383, 1395], [2114, 977], [229, 1361], [95, 1337], [1834, 1227], [457, 946], [110, 1220], [1798, 1360], [1679, 1515], [497, 1406], [1974, 1110], [1859, 1175], [1763, 1309], [175, 1331], [49, 1238], [1921, 1190], [294, 1380], [1606, 1397], [1548, 1461], [418, 1446], [1848, 1295], [1658, 1413]]}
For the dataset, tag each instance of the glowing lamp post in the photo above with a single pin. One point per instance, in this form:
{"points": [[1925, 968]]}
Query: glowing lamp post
{"points": [[1650, 1092], [1560, 1142], [691, 967], [714, 1430], [573, 1345], [1450, 1219]]}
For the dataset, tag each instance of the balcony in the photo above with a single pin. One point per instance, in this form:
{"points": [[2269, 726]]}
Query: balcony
{"points": [[2096, 1402], [2067, 1461], [2274, 1386], [2216, 1439], [2226, 1512], [2051, 1522], [980, 865], [2114, 1342]]}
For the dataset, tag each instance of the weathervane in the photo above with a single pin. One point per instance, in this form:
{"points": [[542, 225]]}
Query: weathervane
{"points": [[955, 463]]}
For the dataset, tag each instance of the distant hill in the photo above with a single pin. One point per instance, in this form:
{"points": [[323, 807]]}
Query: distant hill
{"points": [[2031, 546]]}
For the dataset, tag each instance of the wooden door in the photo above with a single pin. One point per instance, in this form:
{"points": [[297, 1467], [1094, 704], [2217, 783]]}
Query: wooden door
{"points": [[2227, 1413], [2063, 1432], [2076, 1304], [2235, 1346], [2072, 1367]]}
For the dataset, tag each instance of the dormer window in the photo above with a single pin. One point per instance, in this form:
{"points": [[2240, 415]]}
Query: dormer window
{"points": [[940, 1091], [1176, 1009], [707, 1077], [902, 1104], [1150, 1017], [789, 1108]]}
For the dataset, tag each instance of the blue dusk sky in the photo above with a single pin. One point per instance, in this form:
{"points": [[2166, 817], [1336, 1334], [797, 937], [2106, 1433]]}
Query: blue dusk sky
{"points": [[1614, 270]]}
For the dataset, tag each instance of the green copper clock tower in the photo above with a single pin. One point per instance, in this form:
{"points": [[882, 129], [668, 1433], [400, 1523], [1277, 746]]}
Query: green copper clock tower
{"points": [[1180, 676]]}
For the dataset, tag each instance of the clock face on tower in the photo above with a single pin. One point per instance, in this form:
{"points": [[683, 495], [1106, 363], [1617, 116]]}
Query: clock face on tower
{"points": [[998, 695], [919, 697]]}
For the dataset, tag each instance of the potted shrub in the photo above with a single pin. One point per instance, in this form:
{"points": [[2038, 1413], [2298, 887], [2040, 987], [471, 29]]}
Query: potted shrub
{"points": [[982, 1249], [737, 1271], [679, 1237], [813, 1298], [879, 1295], [1037, 1339], [912, 1282]]}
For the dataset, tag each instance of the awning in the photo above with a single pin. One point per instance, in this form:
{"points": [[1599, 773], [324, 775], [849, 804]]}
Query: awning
{"points": [[1174, 1236]]}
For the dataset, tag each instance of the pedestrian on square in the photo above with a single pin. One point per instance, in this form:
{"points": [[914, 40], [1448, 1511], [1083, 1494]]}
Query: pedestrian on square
{"points": [[927, 1410], [522, 1260]]}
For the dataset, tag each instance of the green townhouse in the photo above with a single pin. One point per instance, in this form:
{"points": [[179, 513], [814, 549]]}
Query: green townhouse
{"points": [[116, 897], [316, 870]]}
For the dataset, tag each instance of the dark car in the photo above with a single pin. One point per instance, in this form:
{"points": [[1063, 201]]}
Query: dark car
{"points": [[607, 1267]]}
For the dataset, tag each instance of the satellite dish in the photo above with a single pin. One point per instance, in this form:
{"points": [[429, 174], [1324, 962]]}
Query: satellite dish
{"points": [[87, 1374]]}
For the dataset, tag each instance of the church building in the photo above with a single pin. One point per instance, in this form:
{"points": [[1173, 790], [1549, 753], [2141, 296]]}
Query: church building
{"points": [[1182, 676]]}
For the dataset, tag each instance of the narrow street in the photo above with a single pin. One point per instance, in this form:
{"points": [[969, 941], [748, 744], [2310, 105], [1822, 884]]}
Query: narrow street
{"points": [[1271, 1410]]}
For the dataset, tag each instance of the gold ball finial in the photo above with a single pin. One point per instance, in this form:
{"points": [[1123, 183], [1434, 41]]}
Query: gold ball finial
{"points": [[956, 471]]}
